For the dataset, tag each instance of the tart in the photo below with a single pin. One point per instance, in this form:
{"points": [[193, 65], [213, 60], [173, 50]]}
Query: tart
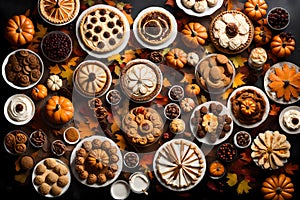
{"points": [[155, 27], [142, 126], [141, 80], [59, 12], [231, 32], [102, 29], [179, 164], [270, 150], [92, 78]]}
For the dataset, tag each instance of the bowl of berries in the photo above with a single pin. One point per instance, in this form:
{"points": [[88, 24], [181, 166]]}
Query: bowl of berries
{"points": [[278, 18]]}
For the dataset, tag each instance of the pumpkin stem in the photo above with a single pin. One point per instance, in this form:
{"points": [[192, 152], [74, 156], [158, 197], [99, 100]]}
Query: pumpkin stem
{"points": [[19, 30], [57, 107], [278, 190], [194, 34], [256, 7], [286, 83], [175, 56]]}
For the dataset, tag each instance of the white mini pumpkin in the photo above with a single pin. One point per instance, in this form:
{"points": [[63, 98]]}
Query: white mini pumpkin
{"points": [[54, 82], [192, 59]]}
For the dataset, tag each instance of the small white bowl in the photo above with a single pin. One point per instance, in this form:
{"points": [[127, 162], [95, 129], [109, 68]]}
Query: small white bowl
{"points": [[120, 190], [62, 145], [236, 141], [174, 86], [109, 93], [274, 28], [5, 62], [11, 112], [131, 154], [40, 138], [76, 131], [171, 104]]}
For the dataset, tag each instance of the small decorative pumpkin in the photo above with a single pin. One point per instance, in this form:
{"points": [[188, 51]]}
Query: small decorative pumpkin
{"points": [[194, 34], [192, 89], [176, 58], [187, 104], [255, 9], [98, 159], [262, 35], [279, 187], [19, 30], [59, 109], [39, 92], [216, 169], [282, 45], [248, 107], [54, 82], [192, 59]]}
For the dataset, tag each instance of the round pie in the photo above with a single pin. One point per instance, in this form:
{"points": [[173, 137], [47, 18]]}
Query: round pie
{"points": [[231, 32], [102, 28], [92, 78], [155, 27], [59, 12], [141, 80]]}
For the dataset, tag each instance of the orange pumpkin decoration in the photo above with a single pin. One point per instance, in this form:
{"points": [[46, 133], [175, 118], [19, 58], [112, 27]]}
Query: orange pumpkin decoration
{"points": [[255, 9], [192, 89], [19, 30], [248, 107], [285, 82], [282, 45], [176, 58], [279, 187], [216, 169], [98, 159], [262, 35], [59, 109], [39, 92], [194, 34]]}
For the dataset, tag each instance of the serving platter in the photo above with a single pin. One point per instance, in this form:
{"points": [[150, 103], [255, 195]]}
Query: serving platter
{"points": [[207, 12]]}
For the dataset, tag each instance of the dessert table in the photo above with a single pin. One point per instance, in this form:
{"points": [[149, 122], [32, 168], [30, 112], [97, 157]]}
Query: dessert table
{"points": [[243, 177]]}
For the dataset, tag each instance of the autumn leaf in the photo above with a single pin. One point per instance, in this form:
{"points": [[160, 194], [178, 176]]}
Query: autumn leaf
{"points": [[55, 69], [21, 178], [128, 56], [238, 80], [121, 142], [246, 157], [228, 4], [188, 78], [165, 51], [243, 187], [238, 61], [274, 110], [226, 94], [114, 127], [38, 36], [128, 17], [232, 179], [68, 72], [170, 3], [117, 70], [201, 99], [289, 168], [85, 130], [146, 160], [209, 48], [166, 82], [110, 2], [116, 57], [27, 13]]}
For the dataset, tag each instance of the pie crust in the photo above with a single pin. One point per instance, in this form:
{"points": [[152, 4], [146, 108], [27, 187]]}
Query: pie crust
{"points": [[59, 12]]}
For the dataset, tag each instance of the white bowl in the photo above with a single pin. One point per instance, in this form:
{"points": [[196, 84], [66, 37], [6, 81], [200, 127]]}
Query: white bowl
{"points": [[65, 135], [236, 142], [274, 28], [170, 104], [127, 154], [5, 62], [111, 91], [120, 189], [11, 113], [169, 92], [41, 140]]}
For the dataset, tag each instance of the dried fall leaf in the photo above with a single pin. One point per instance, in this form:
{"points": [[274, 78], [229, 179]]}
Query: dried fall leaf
{"points": [[85, 130], [17, 164], [243, 187], [209, 48], [232, 179], [37, 38], [165, 51], [274, 110], [110, 2], [121, 142], [202, 99], [289, 168], [117, 70], [116, 57], [68, 71], [54, 69], [128, 17], [226, 94], [238, 80], [238, 61], [21, 178], [128, 56], [228, 4], [114, 127], [246, 157], [166, 82], [170, 3], [188, 78], [147, 159]]}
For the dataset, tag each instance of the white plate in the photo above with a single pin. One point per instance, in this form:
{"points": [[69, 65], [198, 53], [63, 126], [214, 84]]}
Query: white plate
{"points": [[266, 111], [6, 61], [73, 165], [188, 143], [105, 54], [297, 131], [207, 12], [64, 189], [205, 139], [6, 111], [60, 24], [271, 94], [173, 31]]}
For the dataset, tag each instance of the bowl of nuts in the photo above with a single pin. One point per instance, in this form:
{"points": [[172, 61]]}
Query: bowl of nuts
{"points": [[37, 138], [227, 152], [58, 147], [131, 159], [278, 18], [172, 111], [242, 139], [176, 93]]}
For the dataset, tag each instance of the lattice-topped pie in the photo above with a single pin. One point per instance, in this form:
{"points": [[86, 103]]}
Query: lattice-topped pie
{"points": [[59, 11], [180, 164], [155, 27], [92, 78], [102, 29]]}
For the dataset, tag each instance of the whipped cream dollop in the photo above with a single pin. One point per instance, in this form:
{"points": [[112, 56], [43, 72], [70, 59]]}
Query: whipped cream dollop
{"points": [[20, 108], [258, 55], [291, 119]]}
